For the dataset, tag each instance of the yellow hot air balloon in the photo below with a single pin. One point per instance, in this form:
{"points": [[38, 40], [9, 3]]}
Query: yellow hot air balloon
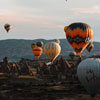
{"points": [[7, 27], [52, 50], [65, 28], [33, 45]]}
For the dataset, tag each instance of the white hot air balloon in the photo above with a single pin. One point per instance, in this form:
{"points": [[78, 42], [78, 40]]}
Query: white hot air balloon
{"points": [[88, 72]]}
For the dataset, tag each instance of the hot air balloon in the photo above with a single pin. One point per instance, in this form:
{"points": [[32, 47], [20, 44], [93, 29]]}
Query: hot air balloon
{"points": [[88, 72], [65, 28], [7, 27], [78, 35], [33, 45], [37, 51], [72, 55], [90, 47], [57, 41], [39, 44], [52, 50]]}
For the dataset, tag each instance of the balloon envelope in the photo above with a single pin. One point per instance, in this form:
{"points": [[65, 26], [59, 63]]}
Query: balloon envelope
{"points": [[39, 44], [52, 50], [37, 51], [7, 27], [65, 28], [79, 36], [57, 41], [90, 47], [33, 45], [89, 74]]}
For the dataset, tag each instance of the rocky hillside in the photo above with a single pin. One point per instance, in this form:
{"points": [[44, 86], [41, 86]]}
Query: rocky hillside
{"points": [[15, 49]]}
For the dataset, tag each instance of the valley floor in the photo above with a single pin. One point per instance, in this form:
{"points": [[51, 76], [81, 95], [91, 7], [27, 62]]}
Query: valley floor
{"points": [[33, 88]]}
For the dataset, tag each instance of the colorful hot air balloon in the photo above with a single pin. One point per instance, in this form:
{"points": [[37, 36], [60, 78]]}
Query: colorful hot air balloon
{"points": [[88, 72], [7, 27], [52, 50], [39, 44], [79, 36], [37, 51], [33, 45], [90, 47], [57, 41], [65, 28]]}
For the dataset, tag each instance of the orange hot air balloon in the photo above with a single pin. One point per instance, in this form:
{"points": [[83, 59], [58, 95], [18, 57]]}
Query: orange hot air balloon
{"points": [[37, 51], [79, 36]]}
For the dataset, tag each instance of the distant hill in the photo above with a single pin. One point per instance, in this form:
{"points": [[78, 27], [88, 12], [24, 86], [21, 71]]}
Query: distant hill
{"points": [[15, 49]]}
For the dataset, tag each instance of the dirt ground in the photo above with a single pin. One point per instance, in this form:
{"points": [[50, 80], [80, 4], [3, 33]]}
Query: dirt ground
{"points": [[30, 88]]}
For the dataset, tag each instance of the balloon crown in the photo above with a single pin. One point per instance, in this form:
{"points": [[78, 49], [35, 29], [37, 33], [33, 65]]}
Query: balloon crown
{"points": [[57, 41]]}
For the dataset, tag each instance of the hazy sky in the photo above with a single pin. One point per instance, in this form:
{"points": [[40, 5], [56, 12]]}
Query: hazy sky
{"points": [[35, 19]]}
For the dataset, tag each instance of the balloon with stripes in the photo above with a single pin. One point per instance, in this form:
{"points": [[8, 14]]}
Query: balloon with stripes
{"points": [[52, 50]]}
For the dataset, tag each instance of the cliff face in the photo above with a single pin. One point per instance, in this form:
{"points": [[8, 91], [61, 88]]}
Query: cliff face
{"points": [[16, 49]]}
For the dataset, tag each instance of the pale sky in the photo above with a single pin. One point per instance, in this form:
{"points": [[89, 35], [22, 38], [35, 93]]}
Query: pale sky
{"points": [[45, 19]]}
